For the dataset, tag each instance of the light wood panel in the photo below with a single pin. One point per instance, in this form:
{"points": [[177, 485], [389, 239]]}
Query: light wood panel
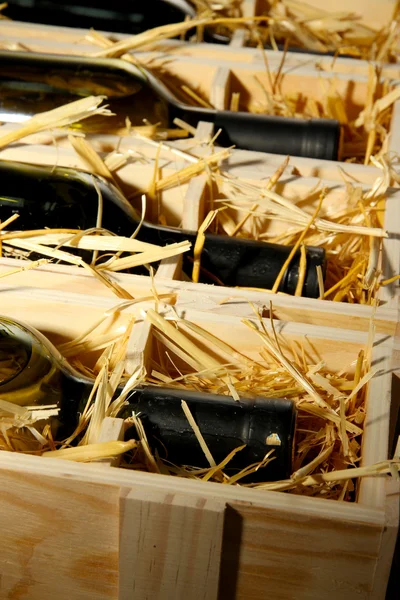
{"points": [[294, 556], [170, 545], [220, 300], [272, 543], [59, 538]]}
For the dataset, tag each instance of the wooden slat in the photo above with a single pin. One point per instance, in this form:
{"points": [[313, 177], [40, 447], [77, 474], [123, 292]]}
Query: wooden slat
{"points": [[376, 425], [170, 268], [220, 300], [170, 546], [239, 38], [272, 542], [394, 140], [194, 211], [220, 89], [389, 537], [374, 13], [112, 429], [59, 538], [268, 553]]}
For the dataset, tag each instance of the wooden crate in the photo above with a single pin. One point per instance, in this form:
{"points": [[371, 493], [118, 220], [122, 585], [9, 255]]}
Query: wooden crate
{"points": [[233, 526], [102, 533], [188, 205], [95, 532], [216, 72]]}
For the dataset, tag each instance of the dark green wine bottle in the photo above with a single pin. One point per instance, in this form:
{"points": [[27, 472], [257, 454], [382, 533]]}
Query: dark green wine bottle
{"points": [[133, 17], [66, 198], [32, 371], [31, 83], [122, 16]]}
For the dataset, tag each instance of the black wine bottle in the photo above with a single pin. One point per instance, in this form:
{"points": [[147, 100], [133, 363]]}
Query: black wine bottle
{"points": [[32, 83], [128, 17], [66, 198], [123, 16], [32, 371]]}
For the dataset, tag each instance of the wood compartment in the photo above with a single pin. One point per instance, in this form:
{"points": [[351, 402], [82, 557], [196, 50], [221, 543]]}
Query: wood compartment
{"points": [[176, 207], [241, 530], [304, 192], [216, 72], [188, 204]]}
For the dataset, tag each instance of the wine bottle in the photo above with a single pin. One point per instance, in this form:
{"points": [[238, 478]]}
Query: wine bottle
{"points": [[129, 18], [67, 198], [123, 16], [33, 372], [32, 83]]}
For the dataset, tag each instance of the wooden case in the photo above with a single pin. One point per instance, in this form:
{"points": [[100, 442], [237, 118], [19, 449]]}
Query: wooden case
{"points": [[187, 205], [216, 72], [97, 532]]}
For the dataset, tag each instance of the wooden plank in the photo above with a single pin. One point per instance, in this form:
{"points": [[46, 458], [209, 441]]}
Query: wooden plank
{"points": [[271, 540], [389, 536], [193, 209], [239, 163], [374, 13], [59, 538], [170, 268], [389, 294], [238, 39], [248, 8], [275, 554], [58, 310], [139, 347], [112, 429], [220, 89], [204, 131], [65, 40], [394, 140], [170, 546], [376, 425], [348, 513], [304, 167], [220, 300]]}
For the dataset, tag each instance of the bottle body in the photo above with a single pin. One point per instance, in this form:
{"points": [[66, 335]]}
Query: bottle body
{"points": [[225, 424], [122, 16], [32, 85]]}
